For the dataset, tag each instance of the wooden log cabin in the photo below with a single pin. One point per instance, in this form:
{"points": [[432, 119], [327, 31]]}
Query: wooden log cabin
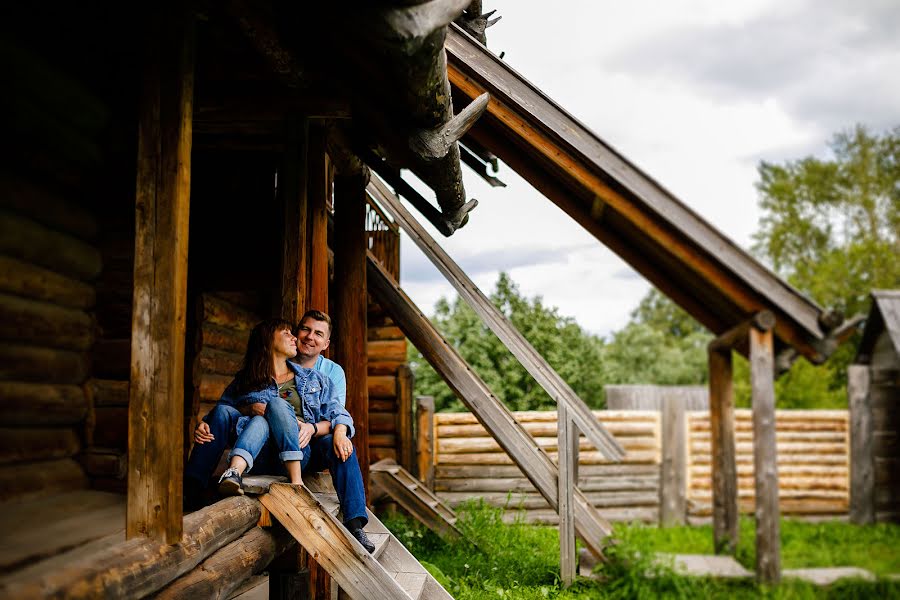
{"points": [[173, 172]]}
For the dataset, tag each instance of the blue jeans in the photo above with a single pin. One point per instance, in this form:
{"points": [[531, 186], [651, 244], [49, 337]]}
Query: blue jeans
{"points": [[247, 436]]}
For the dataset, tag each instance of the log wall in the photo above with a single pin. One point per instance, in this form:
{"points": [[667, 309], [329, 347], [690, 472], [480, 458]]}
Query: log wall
{"points": [[390, 389]]}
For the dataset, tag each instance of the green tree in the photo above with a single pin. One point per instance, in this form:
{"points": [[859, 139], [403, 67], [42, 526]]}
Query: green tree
{"points": [[571, 351]]}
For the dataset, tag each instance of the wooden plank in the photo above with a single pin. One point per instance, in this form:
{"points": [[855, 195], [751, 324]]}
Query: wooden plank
{"points": [[488, 444], [32, 281], [515, 342], [504, 458], [483, 483], [425, 440], [156, 404], [568, 476], [724, 471], [673, 467], [319, 178], [528, 501], [348, 563], [292, 188], [762, 391], [417, 501], [350, 306], [24, 404], [405, 417], [447, 473], [492, 414], [620, 429]]}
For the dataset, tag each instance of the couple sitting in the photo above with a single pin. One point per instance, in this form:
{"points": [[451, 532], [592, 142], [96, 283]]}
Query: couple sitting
{"points": [[282, 418]]}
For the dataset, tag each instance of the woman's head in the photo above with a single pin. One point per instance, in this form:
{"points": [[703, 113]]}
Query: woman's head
{"points": [[269, 339]]}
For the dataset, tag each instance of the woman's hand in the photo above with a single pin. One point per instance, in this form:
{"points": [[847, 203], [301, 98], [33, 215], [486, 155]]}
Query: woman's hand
{"points": [[307, 431], [202, 433]]}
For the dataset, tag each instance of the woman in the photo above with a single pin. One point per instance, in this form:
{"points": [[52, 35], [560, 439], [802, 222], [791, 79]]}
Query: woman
{"points": [[283, 418]]}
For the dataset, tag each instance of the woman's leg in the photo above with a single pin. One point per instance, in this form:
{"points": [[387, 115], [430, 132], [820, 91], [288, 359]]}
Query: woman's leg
{"points": [[254, 433], [285, 432]]}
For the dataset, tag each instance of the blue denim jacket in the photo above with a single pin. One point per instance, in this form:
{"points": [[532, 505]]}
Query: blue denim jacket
{"points": [[320, 401]]}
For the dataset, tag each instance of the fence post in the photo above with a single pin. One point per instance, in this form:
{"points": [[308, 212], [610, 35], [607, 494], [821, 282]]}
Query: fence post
{"points": [[724, 463], [405, 417], [567, 461], [862, 463], [673, 467], [425, 439]]}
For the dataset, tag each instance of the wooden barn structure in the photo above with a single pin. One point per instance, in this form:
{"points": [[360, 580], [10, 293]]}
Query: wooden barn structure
{"points": [[873, 389], [173, 172]]}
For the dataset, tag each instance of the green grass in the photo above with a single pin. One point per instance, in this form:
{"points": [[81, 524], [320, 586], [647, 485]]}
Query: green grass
{"points": [[522, 561]]}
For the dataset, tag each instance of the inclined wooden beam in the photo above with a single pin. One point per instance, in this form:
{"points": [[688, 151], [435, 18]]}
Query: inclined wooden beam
{"points": [[265, 39], [724, 461], [292, 188], [524, 352], [487, 408], [156, 406], [317, 225], [765, 456], [350, 302], [737, 336]]}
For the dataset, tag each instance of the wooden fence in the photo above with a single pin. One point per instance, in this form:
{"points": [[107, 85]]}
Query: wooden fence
{"points": [[812, 447]]}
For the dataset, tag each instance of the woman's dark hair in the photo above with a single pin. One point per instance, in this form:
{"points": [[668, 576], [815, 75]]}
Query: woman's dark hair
{"points": [[256, 369]]}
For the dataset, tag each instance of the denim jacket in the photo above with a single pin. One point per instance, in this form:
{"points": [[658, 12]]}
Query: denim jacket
{"points": [[320, 401]]}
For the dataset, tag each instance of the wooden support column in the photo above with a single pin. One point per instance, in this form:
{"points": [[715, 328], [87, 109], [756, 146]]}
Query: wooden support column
{"points": [[317, 226], [567, 440], [425, 440], [350, 327], [405, 417], [765, 459], [156, 405], [724, 463], [862, 460], [292, 186], [673, 468]]}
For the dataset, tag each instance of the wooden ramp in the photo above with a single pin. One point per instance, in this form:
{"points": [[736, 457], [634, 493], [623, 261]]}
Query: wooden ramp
{"points": [[415, 498], [311, 514], [493, 415]]}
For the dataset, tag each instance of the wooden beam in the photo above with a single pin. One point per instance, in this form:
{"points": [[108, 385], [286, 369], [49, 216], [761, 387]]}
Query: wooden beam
{"points": [[736, 337], [425, 440], [567, 440], [724, 461], [405, 417], [156, 406], [765, 458], [292, 187], [350, 318], [862, 459], [317, 226]]}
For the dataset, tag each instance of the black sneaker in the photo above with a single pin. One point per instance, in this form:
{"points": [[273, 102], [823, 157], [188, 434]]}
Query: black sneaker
{"points": [[230, 483], [363, 539]]}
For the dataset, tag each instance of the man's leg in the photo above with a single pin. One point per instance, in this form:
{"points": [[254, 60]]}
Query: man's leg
{"points": [[205, 457], [348, 483], [284, 432]]}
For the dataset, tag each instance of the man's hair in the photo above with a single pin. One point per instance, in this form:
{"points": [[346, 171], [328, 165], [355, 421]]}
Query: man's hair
{"points": [[257, 370], [316, 315]]}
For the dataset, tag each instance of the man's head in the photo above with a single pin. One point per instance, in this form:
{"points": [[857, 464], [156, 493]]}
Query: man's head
{"points": [[313, 335]]}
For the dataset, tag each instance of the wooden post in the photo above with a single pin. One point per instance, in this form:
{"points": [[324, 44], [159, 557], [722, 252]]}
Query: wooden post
{"points": [[425, 440], [319, 188], [724, 463], [292, 184], [350, 331], [862, 461], [567, 440], [673, 468], [762, 384], [156, 406], [405, 416]]}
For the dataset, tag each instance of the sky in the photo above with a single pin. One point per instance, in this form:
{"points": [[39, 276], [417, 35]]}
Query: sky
{"points": [[694, 92]]}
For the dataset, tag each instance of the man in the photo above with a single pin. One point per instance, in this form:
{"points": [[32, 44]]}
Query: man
{"points": [[313, 337]]}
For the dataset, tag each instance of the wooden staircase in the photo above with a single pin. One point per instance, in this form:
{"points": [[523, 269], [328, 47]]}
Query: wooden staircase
{"points": [[311, 514], [415, 498]]}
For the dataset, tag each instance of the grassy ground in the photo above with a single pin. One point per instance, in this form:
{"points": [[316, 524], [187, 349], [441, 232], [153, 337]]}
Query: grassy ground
{"points": [[522, 561]]}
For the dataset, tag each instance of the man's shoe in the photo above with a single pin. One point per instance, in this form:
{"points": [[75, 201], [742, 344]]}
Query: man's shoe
{"points": [[230, 483], [363, 539]]}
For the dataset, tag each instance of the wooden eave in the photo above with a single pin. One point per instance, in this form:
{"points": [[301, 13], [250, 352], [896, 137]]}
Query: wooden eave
{"points": [[884, 315], [706, 273]]}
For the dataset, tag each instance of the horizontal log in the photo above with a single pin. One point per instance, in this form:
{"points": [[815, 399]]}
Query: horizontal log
{"points": [[391, 332], [487, 444], [19, 444], [836, 483], [701, 417], [41, 404], [250, 301], [618, 514], [887, 469], [381, 350], [619, 429], [377, 453], [107, 392], [787, 506], [211, 386], [217, 362], [812, 495], [37, 322], [104, 462], [535, 500], [382, 386], [384, 367], [501, 458], [781, 436], [112, 359], [382, 422], [214, 336], [28, 480], [219, 312], [500, 471], [383, 440], [37, 202], [109, 428], [225, 570], [525, 416], [476, 486], [32, 281], [29, 241], [43, 365], [140, 567], [797, 459], [698, 448], [383, 405]]}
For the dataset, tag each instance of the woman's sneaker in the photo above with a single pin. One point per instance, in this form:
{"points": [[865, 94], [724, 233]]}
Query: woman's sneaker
{"points": [[230, 483]]}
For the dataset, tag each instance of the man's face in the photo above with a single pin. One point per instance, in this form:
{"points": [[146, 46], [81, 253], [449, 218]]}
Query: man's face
{"points": [[312, 337], [285, 343]]}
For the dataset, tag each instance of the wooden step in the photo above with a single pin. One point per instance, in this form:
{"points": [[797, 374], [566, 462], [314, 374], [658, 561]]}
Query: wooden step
{"points": [[381, 540], [412, 583]]}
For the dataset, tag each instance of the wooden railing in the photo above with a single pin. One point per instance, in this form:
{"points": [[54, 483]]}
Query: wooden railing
{"points": [[383, 238]]}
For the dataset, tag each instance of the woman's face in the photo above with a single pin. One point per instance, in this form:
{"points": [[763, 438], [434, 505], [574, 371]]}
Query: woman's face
{"points": [[285, 344]]}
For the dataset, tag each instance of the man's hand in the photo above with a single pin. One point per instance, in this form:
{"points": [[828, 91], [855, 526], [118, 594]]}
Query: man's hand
{"points": [[202, 433], [343, 447], [307, 431]]}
